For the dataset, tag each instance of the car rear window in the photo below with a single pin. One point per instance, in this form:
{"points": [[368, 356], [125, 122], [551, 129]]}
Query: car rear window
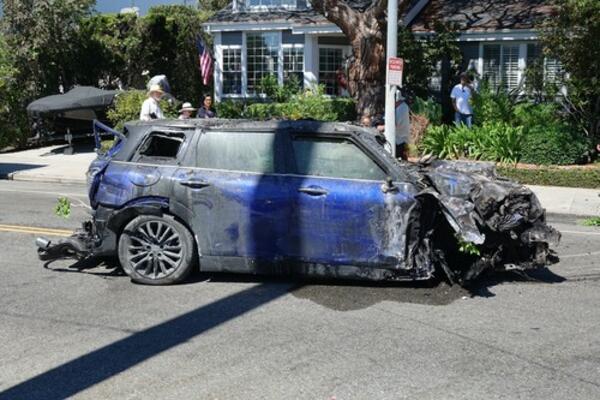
{"points": [[237, 151], [160, 148], [334, 157]]}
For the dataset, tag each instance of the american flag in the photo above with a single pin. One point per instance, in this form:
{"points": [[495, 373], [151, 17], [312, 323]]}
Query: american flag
{"points": [[206, 61]]}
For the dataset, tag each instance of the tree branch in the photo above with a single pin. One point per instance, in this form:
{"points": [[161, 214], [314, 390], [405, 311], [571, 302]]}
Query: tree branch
{"points": [[338, 12], [378, 7]]}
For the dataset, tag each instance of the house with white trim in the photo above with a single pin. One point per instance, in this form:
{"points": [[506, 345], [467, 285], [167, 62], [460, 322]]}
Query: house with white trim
{"points": [[254, 38]]}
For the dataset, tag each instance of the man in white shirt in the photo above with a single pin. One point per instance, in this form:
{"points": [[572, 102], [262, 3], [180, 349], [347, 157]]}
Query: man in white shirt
{"points": [[151, 106], [402, 126], [461, 101]]}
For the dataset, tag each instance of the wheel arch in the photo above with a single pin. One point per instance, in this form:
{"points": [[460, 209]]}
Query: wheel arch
{"points": [[148, 205]]}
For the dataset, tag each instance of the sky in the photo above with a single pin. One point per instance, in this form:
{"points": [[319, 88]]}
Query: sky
{"points": [[114, 6]]}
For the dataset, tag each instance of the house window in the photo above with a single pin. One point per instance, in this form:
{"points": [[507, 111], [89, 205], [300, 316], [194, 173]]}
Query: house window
{"points": [[293, 62], [271, 3], [262, 57], [552, 68], [232, 70], [330, 60], [501, 65]]}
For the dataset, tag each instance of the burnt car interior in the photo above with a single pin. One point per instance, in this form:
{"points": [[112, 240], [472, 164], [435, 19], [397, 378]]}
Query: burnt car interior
{"points": [[160, 148]]}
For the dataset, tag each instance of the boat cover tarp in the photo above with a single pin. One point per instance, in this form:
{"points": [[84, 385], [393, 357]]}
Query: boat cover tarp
{"points": [[77, 98]]}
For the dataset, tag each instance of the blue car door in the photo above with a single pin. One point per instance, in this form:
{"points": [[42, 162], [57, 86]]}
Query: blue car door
{"points": [[341, 215], [238, 197]]}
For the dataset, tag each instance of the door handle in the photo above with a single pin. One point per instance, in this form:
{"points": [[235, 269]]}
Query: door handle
{"points": [[313, 191], [195, 183]]}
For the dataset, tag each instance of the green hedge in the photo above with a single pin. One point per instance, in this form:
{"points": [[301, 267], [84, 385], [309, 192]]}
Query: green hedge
{"points": [[304, 106], [553, 176]]}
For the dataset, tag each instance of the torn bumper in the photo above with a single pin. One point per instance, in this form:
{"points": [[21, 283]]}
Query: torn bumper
{"points": [[82, 244]]}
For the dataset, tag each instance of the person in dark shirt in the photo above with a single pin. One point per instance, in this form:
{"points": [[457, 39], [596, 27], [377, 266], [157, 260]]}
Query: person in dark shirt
{"points": [[206, 111]]}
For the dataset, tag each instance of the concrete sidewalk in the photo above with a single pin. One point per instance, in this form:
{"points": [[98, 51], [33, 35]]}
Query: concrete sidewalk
{"points": [[49, 164]]}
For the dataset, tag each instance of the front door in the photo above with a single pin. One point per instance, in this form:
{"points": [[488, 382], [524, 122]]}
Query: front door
{"points": [[341, 215]]}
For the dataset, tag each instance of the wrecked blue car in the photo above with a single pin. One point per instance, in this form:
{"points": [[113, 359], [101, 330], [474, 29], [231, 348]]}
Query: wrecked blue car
{"points": [[298, 197]]}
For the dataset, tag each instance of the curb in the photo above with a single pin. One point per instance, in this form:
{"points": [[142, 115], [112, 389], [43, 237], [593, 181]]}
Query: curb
{"points": [[44, 179]]}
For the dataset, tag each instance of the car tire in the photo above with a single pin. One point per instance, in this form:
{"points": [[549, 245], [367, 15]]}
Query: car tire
{"points": [[156, 250]]}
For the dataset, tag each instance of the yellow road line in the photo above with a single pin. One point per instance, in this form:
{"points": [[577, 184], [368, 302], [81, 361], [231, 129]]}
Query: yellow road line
{"points": [[35, 230]]}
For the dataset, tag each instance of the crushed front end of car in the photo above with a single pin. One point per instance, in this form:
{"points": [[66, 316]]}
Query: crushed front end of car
{"points": [[470, 221]]}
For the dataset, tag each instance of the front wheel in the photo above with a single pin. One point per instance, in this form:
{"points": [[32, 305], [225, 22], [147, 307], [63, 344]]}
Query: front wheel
{"points": [[156, 250]]}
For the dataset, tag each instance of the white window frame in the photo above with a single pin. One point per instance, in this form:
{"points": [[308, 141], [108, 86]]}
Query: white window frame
{"points": [[245, 93], [293, 46], [521, 63], [221, 53]]}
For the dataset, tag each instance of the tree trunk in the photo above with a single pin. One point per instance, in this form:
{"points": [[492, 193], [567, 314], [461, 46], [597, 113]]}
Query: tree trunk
{"points": [[365, 29]]}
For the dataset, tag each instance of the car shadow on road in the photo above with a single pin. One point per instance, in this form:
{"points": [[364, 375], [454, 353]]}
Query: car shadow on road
{"points": [[347, 295]]}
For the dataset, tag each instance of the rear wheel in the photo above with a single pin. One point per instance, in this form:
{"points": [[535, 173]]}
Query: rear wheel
{"points": [[156, 250]]}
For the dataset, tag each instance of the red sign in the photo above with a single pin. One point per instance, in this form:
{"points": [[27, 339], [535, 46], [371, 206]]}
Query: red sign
{"points": [[394, 72]]}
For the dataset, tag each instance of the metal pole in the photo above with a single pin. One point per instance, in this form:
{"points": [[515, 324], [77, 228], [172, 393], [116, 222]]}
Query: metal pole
{"points": [[391, 51]]}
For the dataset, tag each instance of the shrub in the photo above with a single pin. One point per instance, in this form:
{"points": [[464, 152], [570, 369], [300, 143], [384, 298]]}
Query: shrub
{"points": [[428, 108], [537, 115], [127, 105], [553, 146], [276, 92], [496, 141], [308, 105], [492, 106], [231, 109]]}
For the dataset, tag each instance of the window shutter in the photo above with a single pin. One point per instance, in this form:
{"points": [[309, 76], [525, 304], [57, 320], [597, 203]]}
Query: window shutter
{"points": [[491, 64]]}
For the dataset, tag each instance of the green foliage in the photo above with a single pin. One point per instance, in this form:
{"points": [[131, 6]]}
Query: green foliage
{"points": [[429, 108], [594, 221], [467, 248], [232, 109], [583, 177], [36, 48], [307, 105], [571, 36], [127, 105], [556, 146], [495, 141], [63, 207], [270, 86], [423, 55], [490, 105]]}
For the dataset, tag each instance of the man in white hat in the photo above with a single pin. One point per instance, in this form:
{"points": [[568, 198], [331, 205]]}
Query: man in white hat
{"points": [[186, 111], [151, 106], [402, 126]]}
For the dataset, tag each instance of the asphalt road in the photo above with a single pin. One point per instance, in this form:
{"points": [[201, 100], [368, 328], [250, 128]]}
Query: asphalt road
{"points": [[92, 334]]}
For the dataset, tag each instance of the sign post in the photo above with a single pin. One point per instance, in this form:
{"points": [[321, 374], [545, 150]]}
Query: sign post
{"points": [[391, 52]]}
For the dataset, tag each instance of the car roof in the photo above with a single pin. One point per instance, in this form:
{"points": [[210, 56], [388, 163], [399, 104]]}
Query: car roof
{"points": [[252, 126]]}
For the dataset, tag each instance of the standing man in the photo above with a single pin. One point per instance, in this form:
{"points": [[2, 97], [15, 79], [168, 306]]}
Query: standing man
{"points": [[461, 101], [151, 106], [402, 126], [206, 111]]}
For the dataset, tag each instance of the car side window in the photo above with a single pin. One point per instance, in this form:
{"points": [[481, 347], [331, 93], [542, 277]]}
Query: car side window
{"points": [[237, 151], [160, 148], [334, 157]]}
